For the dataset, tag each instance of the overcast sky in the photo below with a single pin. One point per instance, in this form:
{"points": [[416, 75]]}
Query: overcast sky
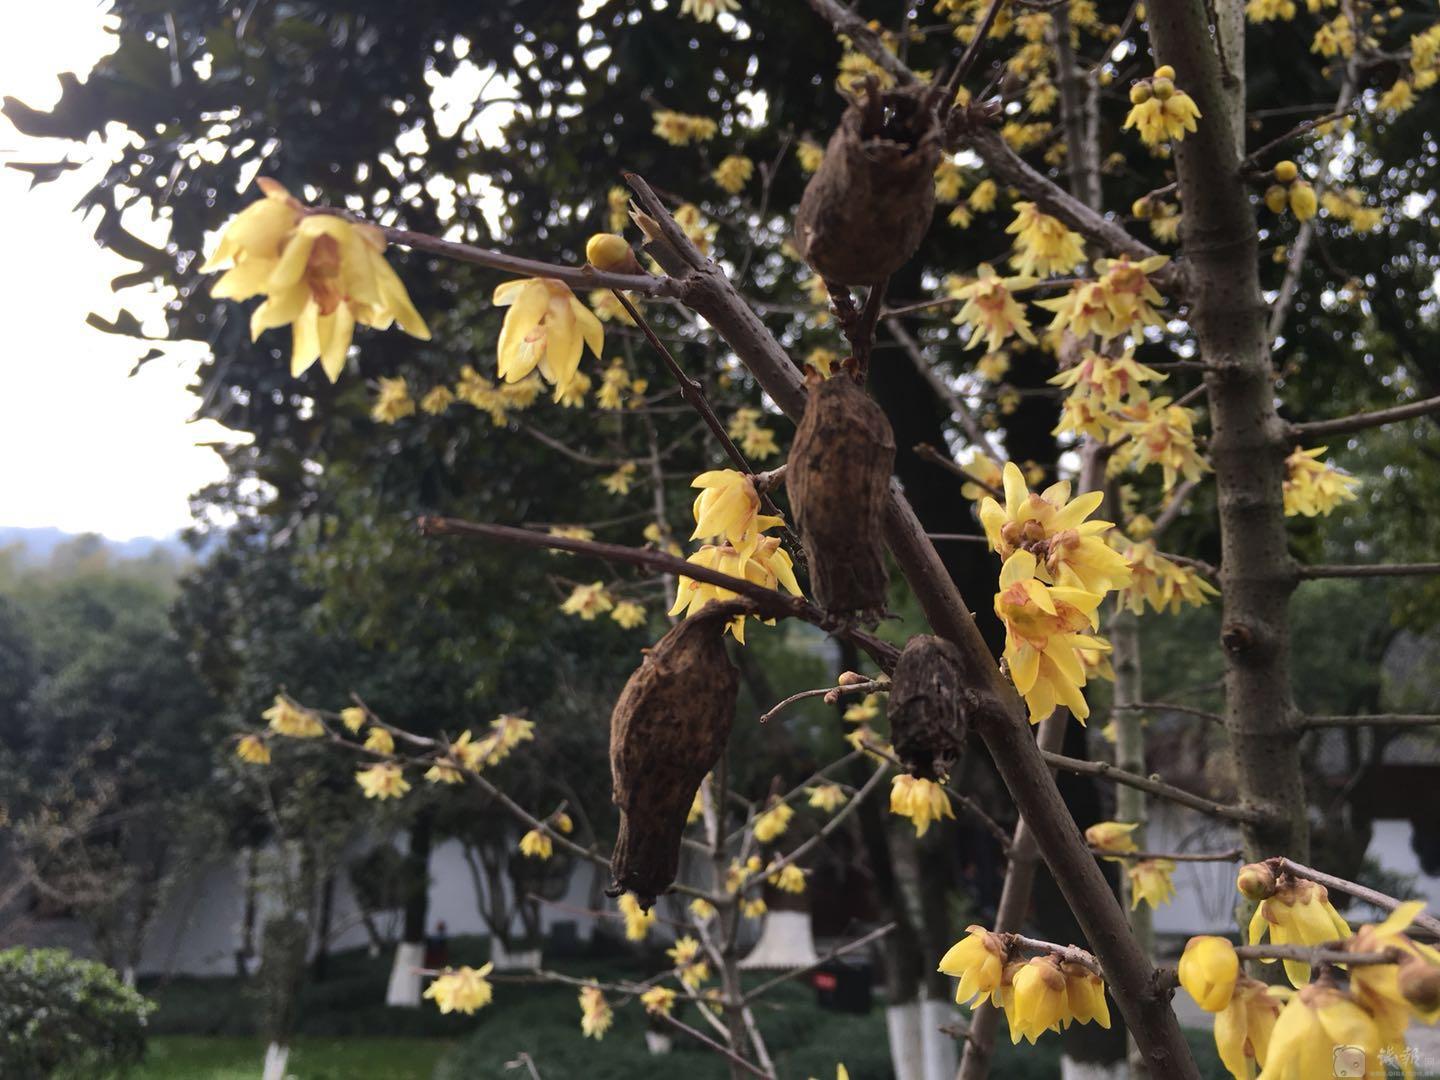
{"points": [[82, 446]]}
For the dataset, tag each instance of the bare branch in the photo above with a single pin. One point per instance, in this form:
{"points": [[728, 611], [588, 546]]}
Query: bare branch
{"points": [[582, 277], [1106, 771], [833, 954], [1344, 425], [1170, 706], [1336, 570], [824, 691], [1232, 855], [1372, 720], [724, 1051]]}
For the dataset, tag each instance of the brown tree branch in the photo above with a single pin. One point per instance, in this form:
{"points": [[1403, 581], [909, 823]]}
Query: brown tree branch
{"points": [[1170, 706], [1345, 425], [1371, 720], [1232, 855], [1360, 892], [833, 954], [1106, 771], [1339, 570]]}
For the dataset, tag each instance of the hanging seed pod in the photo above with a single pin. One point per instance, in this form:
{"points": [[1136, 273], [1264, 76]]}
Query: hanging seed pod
{"points": [[868, 205], [838, 477], [668, 730], [929, 707]]}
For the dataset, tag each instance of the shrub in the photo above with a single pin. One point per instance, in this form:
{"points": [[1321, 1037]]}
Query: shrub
{"points": [[58, 1012]]}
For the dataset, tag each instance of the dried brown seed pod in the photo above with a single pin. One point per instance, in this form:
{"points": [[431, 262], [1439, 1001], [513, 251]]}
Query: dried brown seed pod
{"points": [[929, 707], [870, 202], [838, 477], [668, 730]]}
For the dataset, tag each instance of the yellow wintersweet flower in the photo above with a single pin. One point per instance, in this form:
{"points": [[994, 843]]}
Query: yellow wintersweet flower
{"points": [[1101, 389], [810, 154], [619, 481], [461, 990], [536, 845], [1399, 98], [864, 710], [681, 129], [287, 718], [922, 801], [658, 999], [1259, 11], [768, 565], [790, 879], [436, 400], [982, 199], [827, 797], [733, 173], [949, 181], [613, 385], [1042, 633], [440, 773], [1112, 836], [546, 329], [701, 909], [1313, 488], [1243, 1028], [608, 309], [587, 601], [986, 474], [978, 961], [1318, 1025], [992, 366], [856, 69], [728, 508], [1159, 433], [480, 393], [1157, 581], [1298, 913], [1335, 38], [1043, 244], [1160, 111], [990, 311], [252, 749], [1084, 996], [318, 271], [383, 781], [509, 732], [1118, 302], [685, 955], [353, 718], [1037, 999], [752, 907], [1393, 993], [393, 402], [706, 10], [380, 741], [637, 920], [739, 874], [596, 1015], [1051, 526], [1208, 970], [1150, 882], [628, 614], [689, 218], [771, 823], [573, 396]]}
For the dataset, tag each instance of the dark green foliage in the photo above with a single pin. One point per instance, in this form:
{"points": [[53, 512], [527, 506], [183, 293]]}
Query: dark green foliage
{"points": [[58, 1012]]}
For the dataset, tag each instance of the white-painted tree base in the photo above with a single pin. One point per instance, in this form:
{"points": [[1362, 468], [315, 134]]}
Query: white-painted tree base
{"points": [[275, 1058], [519, 960], [907, 1041], [942, 1057], [1070, 1069], [658, 1042], [404, 988]]}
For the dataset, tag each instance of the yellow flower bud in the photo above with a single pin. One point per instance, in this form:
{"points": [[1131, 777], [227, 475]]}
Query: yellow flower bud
{"points": [[1285, 171], [1165, 71], [1276, 198], [1208, 970], [1140, 93], [1256, 881], [1419, 982], [1163, 88], [1303, 203], [606, 251], [1140, 208]]}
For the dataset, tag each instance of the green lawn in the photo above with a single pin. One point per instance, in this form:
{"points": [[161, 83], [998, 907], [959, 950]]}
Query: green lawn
{"points": [[193, 1057]]}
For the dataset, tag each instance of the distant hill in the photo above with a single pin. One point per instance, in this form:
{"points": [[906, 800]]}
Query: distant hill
{"points": [[38, 545]]}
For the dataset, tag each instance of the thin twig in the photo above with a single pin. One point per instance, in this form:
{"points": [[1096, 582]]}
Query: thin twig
{"points": [[833, 954], [723, 1051], [1344, 425], [848, 688], [1338, 570], [1170, 706], [1371, 720], [1107, 771], [1174, 856], [834, 822]]}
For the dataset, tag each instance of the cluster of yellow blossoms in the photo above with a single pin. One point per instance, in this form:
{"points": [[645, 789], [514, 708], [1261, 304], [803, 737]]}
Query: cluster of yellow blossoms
{"points": [[1313, 488], [922, 801], [1150, 879], [1043, 244], [727, 512], [1318, 1029], [320, 272], [991, 312], [755, 441], [461, 989], [1119, 301], [733, 173], [1056, 571], [1043, 993], [1161, 111], [681, 129], [546, 329]]}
